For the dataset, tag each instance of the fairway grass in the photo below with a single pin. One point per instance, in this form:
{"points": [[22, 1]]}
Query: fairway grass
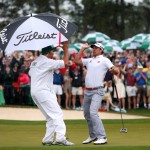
{"points": [[27, 135]]}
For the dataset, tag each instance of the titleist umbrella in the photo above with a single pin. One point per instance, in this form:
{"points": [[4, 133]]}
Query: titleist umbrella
{"points": [[35, 31]]}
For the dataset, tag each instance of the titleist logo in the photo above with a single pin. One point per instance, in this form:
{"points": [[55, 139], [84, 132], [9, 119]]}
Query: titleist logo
{"points": [[3, 36], [25, 37]]}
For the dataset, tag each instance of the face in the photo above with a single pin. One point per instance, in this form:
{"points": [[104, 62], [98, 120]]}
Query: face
{"points": [[140, 70], [50, 54], [96, 51]]}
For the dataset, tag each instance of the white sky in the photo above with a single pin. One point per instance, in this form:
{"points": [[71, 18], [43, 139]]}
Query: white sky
{"points": [[134, 1], [130, 1]]}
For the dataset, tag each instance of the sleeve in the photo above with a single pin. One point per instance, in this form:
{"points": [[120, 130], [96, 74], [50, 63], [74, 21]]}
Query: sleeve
{"points": [[108, 63], [85, 61], [53, 64]]}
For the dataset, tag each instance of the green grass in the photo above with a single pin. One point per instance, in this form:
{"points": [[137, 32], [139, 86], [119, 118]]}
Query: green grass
{"points": [[27, 135]]}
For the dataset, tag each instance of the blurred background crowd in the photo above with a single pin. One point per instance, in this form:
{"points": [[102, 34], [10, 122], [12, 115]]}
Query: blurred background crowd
{"points": [[133, 81], [114, 23]]}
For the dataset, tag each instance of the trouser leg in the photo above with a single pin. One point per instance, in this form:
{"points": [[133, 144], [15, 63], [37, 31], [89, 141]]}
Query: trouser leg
{"points": [[96, 120], [54, 118], [86, 108]]}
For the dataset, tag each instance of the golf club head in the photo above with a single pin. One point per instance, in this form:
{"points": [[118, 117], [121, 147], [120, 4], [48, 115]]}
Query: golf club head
{"points": [[124, 130]]}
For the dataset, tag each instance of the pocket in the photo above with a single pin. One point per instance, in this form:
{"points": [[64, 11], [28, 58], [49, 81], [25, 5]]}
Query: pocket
{"points": [[100, 92]]}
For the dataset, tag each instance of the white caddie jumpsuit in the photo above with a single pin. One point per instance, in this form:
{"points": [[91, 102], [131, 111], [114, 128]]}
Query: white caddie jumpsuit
{"points": [[41, 73]]}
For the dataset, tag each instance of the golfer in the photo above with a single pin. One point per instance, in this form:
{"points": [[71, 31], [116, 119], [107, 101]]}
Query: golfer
{"points": [[41, 72], [93, 94]]}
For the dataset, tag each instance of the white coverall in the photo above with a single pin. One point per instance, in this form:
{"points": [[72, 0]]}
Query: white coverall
{"points": [[41, 72]]}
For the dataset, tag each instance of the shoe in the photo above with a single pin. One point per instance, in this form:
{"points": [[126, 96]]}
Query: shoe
{"points": [[47, 144], [115, 109], [64, 142], [77, 108], [89, 140], [81, 108], [123, 110], [100, 141], [74, 108]]}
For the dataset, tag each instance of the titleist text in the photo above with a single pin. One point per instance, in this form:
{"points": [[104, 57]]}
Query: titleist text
{"points": [[25, 37]]}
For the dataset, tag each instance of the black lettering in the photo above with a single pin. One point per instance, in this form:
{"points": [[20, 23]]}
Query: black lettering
{"points": [[31, 36]]}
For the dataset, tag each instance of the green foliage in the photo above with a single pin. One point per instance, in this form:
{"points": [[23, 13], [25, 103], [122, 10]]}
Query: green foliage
{"points": [[116, 18]]}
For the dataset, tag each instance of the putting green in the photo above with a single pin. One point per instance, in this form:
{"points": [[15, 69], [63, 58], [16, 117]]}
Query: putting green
{"points": [[27, 135]]}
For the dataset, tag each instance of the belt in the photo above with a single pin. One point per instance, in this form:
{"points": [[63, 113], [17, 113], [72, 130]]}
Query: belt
{"points": [[95, 88]]}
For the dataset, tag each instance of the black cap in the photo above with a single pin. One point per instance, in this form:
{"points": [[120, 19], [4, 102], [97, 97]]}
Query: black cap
{"points": [[47, 49]]}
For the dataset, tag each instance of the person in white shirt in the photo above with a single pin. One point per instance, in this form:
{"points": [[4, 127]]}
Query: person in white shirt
{"points": [[41, 72], [97, 67]]}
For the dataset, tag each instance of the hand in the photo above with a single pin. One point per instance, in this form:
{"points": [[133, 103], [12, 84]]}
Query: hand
{"points": [[114, 70], [65, 45], [84, 46]]}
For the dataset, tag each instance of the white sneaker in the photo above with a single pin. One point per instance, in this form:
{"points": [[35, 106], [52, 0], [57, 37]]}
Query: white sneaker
{"points": [[123, 110], [47, 143], [100, 141], [81, 108], [88, 140], [64, 142]]}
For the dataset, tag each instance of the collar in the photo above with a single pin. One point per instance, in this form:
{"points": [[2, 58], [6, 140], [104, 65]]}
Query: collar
{"points": [[99, 56]]}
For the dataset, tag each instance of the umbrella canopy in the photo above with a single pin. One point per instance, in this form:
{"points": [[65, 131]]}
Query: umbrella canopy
{"points": [[128, 44], [145, 45], [95, 37], [74, 48], [112, 45], [131, 45], [139, 37], [35, 31]]}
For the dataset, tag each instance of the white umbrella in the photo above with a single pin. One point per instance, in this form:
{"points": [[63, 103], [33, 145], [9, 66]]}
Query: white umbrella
{"points": [[95, 37], [112, 45], [33, 32], [139, 37], [128, 44]]}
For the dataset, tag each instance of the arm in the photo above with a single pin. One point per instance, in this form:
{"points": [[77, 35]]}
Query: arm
{"points": [[123, 70], [114, 70], [79, 55], [144, 77], [65, 48]]}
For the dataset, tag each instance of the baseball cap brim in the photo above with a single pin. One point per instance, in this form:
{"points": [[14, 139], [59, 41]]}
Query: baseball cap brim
{"points": [[47, 49], [97, 45]]}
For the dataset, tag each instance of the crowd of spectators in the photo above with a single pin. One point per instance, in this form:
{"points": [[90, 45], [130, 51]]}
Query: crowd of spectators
{"points": [[132, 82]]}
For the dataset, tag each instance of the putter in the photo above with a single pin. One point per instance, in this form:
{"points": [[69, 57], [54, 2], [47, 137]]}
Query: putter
{"points": [[122, 130]]}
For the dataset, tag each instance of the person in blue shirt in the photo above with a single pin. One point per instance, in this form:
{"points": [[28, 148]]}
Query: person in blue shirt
{"points": [[141, 79], [57, 84]]}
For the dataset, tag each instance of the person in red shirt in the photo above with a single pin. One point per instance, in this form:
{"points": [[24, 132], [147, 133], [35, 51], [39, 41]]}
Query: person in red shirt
{"points": [[131, 86], [24, 87]]}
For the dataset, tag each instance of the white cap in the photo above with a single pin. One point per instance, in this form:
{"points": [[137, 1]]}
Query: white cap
{"points": [[140, 66], [98, 45]]}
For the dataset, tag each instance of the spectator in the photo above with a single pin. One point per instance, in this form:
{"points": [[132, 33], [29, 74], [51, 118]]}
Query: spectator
{"points": [[130, 86], [23, 81], [77, 80], [120, 87], [67, 89], [148, 83], [107, 96], [141, 78], [57, 84], [2, 99], [16, 86], [8, 88]]}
